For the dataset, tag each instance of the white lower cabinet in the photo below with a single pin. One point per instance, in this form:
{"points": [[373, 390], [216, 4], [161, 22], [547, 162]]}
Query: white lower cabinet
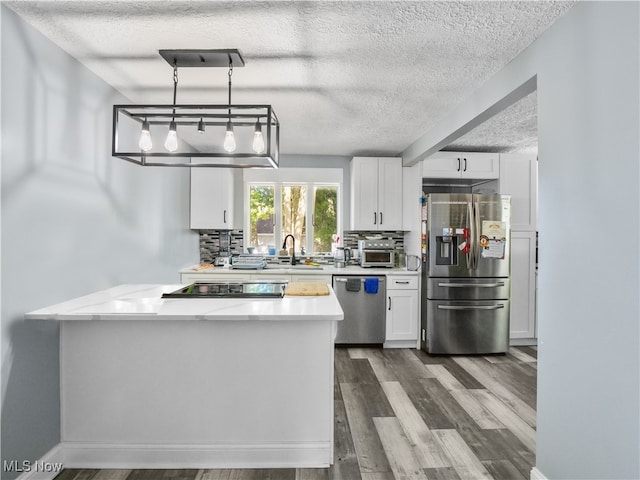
{"points": [[523, 288], [402, 312]]}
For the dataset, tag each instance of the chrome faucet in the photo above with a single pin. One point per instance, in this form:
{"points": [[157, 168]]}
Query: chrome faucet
{"points": [[293, 254]]}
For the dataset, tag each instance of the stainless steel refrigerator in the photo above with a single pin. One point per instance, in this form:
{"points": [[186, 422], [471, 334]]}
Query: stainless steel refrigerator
{"points": [[466, 273]]}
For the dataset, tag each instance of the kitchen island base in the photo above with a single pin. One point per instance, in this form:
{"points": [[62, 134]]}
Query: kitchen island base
{"points": [[197, 394]]}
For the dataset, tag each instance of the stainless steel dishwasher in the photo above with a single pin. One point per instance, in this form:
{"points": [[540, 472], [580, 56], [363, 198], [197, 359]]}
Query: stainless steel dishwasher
{"points": [[363, 300]]}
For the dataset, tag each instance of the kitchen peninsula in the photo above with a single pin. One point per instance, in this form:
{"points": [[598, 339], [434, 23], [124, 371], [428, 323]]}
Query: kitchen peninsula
{"points": [[152, 382]]}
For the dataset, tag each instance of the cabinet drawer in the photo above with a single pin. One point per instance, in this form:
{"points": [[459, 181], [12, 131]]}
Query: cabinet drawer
{"points": [[402, 283]]}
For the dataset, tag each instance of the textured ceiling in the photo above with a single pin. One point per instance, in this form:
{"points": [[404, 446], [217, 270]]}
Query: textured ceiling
{"points": [[515, 129], [345, 78]]}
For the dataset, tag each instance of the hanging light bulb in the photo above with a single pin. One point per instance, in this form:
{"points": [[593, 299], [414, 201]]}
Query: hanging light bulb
{"points": [[229, 138], [145, 143], [201, 126], [171, 143], [258, 139]]}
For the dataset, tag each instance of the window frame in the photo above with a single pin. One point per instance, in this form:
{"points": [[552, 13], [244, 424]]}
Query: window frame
{"points": [[309, 177]]}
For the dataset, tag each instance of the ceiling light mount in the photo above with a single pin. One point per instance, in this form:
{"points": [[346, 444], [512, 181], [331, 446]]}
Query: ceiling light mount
{"points": [[203, 58], [202, 135]]}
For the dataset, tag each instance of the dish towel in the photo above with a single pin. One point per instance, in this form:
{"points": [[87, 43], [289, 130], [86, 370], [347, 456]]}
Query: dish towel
{"points": [[371, 285], [353, 284]]}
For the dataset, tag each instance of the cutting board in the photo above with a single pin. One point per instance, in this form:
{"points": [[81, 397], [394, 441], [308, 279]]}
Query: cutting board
{"points": [[300, 289]]}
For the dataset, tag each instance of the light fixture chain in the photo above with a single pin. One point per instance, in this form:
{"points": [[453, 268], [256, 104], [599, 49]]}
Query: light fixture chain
{"points": [[175, 82], [230, 74]]}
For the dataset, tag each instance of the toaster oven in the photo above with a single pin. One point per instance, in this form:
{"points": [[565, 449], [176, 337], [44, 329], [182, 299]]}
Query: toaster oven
{"points": [[376, 253]]}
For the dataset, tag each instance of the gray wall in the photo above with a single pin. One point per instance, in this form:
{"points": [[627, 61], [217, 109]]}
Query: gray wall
{"points": [[74, 220], [588, 121], [588, 311]]}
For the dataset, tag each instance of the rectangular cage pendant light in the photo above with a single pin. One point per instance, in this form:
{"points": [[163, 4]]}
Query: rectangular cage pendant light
{"points": [[180, 135]]}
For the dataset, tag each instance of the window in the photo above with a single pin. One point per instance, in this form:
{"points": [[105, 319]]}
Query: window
{"points": [[308, 210], [261, 216], [325, 217]]}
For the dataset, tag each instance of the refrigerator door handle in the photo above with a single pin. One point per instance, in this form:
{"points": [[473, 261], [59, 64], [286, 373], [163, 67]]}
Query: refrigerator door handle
{"points": [[477, 307], [472, 237], [481, 285], [476, 240]]}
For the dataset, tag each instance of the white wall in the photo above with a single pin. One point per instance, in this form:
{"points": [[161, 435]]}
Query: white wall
{"points": [[74, 220], [587, 68]]}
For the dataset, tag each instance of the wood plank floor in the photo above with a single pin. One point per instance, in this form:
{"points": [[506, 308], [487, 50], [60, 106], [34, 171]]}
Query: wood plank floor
{"points": [[403, 414]]}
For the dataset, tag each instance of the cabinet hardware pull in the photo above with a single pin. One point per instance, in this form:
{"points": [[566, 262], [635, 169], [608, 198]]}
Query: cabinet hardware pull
{"points": [[402, 283], [380, 218], [473, 285], [458, 164], [389, 303], [375, 217], [465, 165], [477, 307], [224, 216]]}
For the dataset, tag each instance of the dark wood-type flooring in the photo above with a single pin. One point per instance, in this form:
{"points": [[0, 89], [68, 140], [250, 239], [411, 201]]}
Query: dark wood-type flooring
{"points": [[403, 414]]}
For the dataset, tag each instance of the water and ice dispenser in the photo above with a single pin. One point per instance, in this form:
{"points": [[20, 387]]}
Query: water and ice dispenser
{"points": [[446, 249]]}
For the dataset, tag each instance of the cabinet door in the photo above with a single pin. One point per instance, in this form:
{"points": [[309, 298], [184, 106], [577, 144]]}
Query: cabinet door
{"points": [[364, 193], [389, 194], [211, 198], [402, 315], [519, 178], [480, 165], [523, 288], [442, 165]]}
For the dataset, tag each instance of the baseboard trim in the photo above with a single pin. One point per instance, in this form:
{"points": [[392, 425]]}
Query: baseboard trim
{"points": [[537, 474], [400, 344], [47, 467], [301, 455]]}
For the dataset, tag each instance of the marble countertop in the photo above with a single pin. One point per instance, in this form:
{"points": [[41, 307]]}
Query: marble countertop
{"points": [[144, 302], [303, 270]]}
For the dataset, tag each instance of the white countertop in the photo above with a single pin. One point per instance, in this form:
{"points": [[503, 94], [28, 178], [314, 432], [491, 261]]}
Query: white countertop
{"points": [[144, 302], [303, 270]]}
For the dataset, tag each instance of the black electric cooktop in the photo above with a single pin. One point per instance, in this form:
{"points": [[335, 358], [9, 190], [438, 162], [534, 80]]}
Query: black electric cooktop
{"points": [[230, 290]]}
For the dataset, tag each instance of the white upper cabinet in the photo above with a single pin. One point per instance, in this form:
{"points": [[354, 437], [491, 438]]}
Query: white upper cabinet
{"points": [[211, 198], [519, 178], [478, 166], [376, 193]]}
